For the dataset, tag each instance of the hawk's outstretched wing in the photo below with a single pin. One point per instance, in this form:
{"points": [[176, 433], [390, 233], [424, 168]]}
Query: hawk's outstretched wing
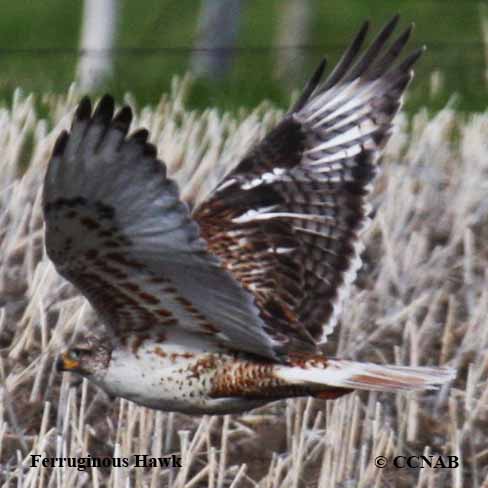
{"points": [[116, 228], [285, 221]]}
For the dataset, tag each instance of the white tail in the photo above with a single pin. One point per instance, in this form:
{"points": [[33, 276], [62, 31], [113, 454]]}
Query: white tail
{"points": [[366, 376]]}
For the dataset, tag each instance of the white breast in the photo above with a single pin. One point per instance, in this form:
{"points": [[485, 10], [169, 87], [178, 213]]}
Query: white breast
{"points": [[161, 375]]}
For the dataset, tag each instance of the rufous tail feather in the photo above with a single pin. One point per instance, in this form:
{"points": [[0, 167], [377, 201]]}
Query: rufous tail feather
{"points": [[353, 375]]}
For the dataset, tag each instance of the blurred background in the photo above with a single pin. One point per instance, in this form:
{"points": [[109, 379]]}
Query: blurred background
{"points": [[239, 51]]}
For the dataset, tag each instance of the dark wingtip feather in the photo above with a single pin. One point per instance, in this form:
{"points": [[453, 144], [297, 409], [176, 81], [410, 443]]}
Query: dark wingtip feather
{"points": [[389, 28], [411, 59], [393, 21], [374, 50], [363, 30], [140, 135], [83, 111], [150, 150], [123, 119], [348, 57], [310, 86], [105, 109], [382, 65], [405, 35], [60, 144]]}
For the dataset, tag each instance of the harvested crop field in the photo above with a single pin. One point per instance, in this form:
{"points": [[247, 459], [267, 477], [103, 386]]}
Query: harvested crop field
{"points": [[421, 298]]}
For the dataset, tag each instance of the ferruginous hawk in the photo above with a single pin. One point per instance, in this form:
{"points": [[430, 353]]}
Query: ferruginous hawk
{"points": [[222, 307]]}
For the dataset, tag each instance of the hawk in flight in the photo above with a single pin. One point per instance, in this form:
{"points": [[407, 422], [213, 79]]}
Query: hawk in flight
{"points": [[221, 307]]}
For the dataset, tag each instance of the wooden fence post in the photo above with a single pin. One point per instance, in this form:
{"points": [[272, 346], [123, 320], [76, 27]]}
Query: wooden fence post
{"points": [[97, 39], [218, 27]]}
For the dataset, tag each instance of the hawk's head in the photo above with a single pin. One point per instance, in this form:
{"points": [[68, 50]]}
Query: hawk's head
{"points": [[87, 358]]}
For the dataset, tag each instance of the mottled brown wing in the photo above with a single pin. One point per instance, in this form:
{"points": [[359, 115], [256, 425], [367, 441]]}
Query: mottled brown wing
{"points": [[117, 229], [285, 221]]}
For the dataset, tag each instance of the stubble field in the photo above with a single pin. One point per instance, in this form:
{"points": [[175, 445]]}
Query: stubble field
{"points": [[421, 298]]}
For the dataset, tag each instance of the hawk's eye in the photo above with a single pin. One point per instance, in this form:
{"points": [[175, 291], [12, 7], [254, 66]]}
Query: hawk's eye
{"points": [[77, 352]]}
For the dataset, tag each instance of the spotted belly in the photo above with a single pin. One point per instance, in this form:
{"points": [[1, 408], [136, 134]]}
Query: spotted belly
{"points": [[191, 374], [179, 373]]}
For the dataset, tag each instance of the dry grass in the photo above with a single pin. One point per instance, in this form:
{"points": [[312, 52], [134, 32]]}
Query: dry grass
{"points": [[421, 298]]}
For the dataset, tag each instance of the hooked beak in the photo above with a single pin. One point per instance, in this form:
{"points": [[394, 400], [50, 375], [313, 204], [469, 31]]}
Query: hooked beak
{"points": [[66, 363]]}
